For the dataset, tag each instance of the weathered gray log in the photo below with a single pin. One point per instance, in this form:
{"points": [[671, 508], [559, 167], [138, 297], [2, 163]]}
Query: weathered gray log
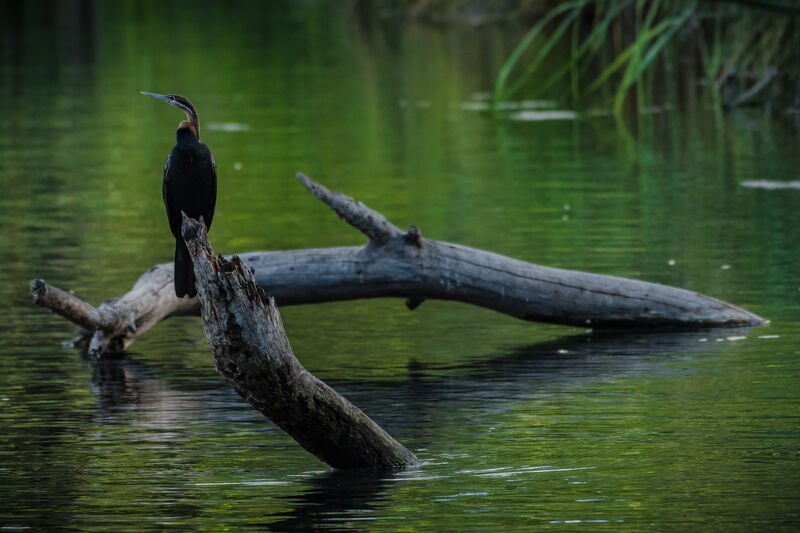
{"points": [[395, 263], [251, 351]]}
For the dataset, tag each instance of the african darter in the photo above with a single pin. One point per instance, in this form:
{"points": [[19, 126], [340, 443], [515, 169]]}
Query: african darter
{"points": [[190, 187]]}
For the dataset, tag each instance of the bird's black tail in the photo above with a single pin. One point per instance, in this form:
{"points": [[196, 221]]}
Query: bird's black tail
{"points": [[184, 272]]}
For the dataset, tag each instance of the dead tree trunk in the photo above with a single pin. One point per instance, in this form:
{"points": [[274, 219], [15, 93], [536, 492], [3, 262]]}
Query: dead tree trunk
{"points": [[395, 263], [244, 331]]}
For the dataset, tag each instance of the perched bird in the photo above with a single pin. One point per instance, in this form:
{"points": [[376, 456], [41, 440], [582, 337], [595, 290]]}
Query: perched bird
{"points": [[190, 187]]}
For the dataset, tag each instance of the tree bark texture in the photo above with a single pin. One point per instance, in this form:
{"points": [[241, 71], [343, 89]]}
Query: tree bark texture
{"points": [[396, 263], [251, 351]]}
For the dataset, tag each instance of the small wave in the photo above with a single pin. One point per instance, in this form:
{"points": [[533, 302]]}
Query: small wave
{"points": [[533, 116], [227, 126], [771, 185]]}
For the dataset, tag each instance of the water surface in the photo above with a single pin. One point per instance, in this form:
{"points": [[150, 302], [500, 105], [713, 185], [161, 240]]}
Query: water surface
{"points": [[519, 425]]}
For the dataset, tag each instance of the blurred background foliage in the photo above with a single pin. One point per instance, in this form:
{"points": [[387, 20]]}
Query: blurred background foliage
{"points": [[639, 53]]}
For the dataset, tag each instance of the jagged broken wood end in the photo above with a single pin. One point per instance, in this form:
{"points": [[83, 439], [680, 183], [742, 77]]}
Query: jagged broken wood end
{"points": [[251, 351]]}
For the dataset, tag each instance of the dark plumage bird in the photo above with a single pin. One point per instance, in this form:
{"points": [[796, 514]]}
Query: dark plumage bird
{"points": [[190, 186]]}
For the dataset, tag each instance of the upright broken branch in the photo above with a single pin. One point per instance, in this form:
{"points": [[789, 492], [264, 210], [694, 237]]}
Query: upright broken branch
{"points": [[395, 263], [244, 331], [368, 221]]}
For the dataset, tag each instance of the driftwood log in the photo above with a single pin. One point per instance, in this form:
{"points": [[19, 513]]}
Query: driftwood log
{"points": [[397, 263], [251, 351]]}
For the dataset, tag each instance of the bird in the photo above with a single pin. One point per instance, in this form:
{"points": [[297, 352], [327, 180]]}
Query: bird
{"points": [[189, 187]]}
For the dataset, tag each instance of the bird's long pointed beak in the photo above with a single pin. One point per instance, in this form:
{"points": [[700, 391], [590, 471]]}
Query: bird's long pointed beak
{"points": [[154, 95]]}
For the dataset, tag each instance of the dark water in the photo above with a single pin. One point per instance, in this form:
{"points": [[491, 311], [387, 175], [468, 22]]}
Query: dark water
{"points": [[519, 425]]}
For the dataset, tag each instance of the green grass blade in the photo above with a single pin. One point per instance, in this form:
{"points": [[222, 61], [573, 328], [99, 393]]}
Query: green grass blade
{"points": [[544, 50], [666, 29], [630, 50], [590, 43], [508, 66], [662, 41]]}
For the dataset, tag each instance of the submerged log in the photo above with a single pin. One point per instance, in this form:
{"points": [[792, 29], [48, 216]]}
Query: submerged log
{"points": [[397, 263], [251, 351]]}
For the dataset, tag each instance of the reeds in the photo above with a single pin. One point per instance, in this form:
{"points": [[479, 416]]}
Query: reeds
{"points": [[619, 48]]}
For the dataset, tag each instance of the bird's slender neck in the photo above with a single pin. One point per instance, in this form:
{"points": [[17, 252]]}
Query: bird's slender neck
{"points": [[192, 124]]}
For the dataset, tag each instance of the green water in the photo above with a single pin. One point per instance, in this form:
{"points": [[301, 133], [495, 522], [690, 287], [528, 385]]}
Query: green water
{"points": [[520, 426]]}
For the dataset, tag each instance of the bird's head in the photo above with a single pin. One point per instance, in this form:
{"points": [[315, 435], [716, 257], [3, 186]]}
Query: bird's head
{"points": [[182, 103]]}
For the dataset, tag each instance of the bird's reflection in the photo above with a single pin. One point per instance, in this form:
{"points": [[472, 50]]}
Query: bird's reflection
{"points": [[126, 389], [119, 383]]}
